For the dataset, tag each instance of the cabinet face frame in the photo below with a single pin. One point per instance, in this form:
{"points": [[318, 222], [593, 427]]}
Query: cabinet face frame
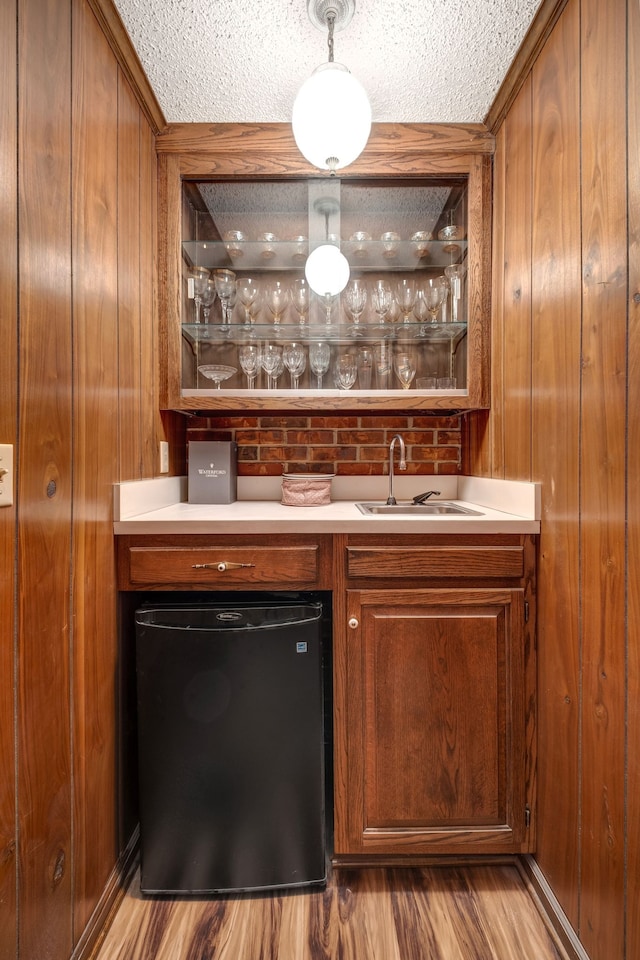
{"points": [[260, 152], [361, 707]]}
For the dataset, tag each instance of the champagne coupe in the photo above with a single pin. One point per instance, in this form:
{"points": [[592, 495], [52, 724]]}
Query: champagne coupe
{"points": [[434, 291], [271, 360], [233, 240], [276, 297], [345, 371], [420, 243], [249, 357], [356, 299], [225, 281], [406, 292], [217, 372], [300, 296], [295, 360], [199, 276], [405, 369], [319, 359], [390, 242], [381, 299], [248, 291]]}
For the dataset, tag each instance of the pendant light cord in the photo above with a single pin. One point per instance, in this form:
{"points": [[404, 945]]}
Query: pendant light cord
{"points": [[331, 19]]}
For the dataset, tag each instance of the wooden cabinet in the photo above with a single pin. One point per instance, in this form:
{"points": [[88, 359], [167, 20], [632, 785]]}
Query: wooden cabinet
{"points": [[434, 698], [434, 675], [410, 181]]}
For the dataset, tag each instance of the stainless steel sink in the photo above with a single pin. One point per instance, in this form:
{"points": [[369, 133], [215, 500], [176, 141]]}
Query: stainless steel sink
{"points": [[436, 508]]}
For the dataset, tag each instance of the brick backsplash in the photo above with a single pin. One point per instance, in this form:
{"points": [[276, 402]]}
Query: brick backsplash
{"points": [[346, 445]]}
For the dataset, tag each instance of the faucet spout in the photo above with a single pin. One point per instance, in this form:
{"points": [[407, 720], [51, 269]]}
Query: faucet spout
{"points": [[391, 500]]}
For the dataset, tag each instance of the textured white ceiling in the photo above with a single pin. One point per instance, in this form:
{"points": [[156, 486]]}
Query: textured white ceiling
{"points": [[242, 61]]}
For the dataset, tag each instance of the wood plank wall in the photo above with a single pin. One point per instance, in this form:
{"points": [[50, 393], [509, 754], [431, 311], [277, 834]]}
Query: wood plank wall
{"points": [[8, 430], [566, 412], [78, 400]]}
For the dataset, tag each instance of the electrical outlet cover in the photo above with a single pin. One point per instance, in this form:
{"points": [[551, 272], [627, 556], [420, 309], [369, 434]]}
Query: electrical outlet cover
{"points": [[6, 474]]}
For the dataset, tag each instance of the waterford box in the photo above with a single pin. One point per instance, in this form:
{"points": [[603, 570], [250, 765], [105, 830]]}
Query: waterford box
{"points": [[212, 471]]}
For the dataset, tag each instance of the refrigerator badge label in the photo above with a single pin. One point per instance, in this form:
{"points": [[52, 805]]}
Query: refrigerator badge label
{"points": [[301, 646]]}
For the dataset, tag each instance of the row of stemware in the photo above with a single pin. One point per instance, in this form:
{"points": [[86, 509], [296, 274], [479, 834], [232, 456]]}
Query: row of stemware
{"points": [[410, 298], [347, 366]]}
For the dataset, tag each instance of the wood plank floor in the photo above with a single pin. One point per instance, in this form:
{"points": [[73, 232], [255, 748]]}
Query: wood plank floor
{"points": [[437, 913]]}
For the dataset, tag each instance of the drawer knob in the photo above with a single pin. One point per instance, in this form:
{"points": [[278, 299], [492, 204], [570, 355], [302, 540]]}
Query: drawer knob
{"points": [[354, 623], [221, 566]]}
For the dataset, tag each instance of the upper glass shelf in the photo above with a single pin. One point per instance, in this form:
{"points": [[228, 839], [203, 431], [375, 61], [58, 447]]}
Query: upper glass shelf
{"points": [[251, 256], [418, 333]]}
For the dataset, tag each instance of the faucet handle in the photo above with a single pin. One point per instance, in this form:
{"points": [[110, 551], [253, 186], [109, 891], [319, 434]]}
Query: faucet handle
{"points": [[421, 497]]}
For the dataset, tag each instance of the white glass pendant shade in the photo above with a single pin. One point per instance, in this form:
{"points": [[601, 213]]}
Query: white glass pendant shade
{"points": [[331, 117], [327, 270]]}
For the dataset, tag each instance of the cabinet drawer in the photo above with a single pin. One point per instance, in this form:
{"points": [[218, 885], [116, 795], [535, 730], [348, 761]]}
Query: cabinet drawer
{"points": [[222, 566], [435, 561]]}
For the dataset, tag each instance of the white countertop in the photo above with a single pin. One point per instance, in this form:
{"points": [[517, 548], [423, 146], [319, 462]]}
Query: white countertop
{"points": [[160, 506]]}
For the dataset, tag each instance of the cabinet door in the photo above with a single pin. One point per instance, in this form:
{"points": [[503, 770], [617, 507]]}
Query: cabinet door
{"points": [[432, 755]]}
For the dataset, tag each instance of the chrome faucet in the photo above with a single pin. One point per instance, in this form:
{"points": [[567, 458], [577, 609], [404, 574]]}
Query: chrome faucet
{"points": [[391, 500]]}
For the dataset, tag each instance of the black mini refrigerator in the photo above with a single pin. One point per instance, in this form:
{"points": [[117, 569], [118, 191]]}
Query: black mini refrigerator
{"points": [[231, 746]]}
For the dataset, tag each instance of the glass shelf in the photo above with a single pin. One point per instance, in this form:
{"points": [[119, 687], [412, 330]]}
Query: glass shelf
{"points": [[338, 333], [285, 255]]}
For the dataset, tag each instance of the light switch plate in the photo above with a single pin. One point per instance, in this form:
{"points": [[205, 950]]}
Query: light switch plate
{"points": [[164, 456], [6, 474]]}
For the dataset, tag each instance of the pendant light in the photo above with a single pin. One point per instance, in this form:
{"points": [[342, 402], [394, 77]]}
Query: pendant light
{"points": [[331, 117], [327, 269]]}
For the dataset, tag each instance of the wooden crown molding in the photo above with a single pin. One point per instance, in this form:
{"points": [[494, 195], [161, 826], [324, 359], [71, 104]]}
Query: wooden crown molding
{"points": [[120, 42], [536, 37]]}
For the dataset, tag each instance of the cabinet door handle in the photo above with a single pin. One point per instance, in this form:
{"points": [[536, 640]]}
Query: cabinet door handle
{"points": [[221, 566], [354, 623]]}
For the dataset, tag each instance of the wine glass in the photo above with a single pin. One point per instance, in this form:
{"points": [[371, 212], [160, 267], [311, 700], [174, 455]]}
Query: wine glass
{"points": [[420, 309], [406, 292], [270, 360], [405, 369], [356, 299], [217, 372], [248, 292], [207, 298], [383, 364], [249, 357], [199, 276], [295, 360], [319, 359], [395, 312], [434, 291], [277, 372], [328, 300], [381, 299], [276, 297], [345, 371], [225, 281], [365, 367], [300, 296], [454, 273]]}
